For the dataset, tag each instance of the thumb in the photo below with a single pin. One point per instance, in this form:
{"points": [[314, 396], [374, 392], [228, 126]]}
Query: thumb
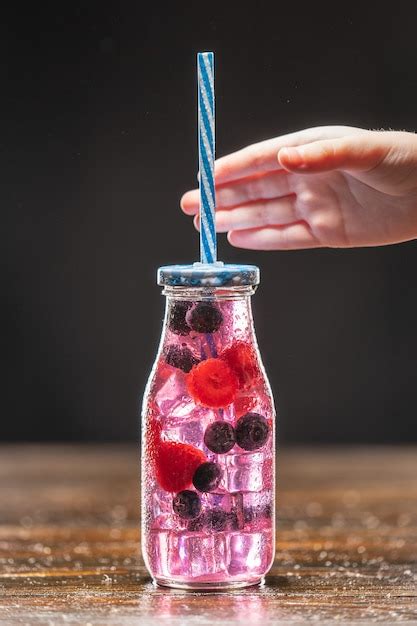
{"points": [[355, 152]]}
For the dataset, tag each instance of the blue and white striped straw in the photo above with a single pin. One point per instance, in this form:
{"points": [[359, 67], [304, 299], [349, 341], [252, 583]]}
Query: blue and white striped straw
{"points": [[206, 156]]}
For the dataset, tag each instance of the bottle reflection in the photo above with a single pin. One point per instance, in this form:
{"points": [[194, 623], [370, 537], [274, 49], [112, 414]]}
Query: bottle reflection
{"points": [[221, 608]]}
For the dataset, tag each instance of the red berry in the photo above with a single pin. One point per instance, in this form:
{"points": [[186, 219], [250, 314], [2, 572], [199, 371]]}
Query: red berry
{"points": [[243, 404], [175, 464], [241, 358], [153, 433], [212, 383]]}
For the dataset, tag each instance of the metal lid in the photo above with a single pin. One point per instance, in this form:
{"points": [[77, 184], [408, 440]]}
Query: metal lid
{"points": [[208, 275]]}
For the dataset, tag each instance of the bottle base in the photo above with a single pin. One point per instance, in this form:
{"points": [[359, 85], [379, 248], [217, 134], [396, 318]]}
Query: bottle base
{"points": [[205, 585]]}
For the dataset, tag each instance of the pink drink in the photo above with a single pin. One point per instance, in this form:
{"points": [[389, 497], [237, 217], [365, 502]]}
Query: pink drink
{"points": [[208, 454]]}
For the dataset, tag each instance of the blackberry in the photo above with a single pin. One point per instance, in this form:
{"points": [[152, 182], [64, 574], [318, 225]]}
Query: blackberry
{"points": [[256, 513], [176, 321], [197, 524], [207, 477], [187, 504], [180, 357], [216, 519], [267, 510], [235, 521], [252, 431], [220, 437], [249, 514], [205, 318]]}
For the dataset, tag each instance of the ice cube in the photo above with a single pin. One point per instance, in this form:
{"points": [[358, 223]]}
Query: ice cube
{"points": [[257, 509], [161, 502], [162, 515], [181, 408], [220, 512], [189, 432], [249, 552], [187, 422], [218, 499], [192, 554], [171, 392], [246, 471], [157, 550]]}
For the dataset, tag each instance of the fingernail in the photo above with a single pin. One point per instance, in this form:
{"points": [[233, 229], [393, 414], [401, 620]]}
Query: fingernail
{"points": [[293, 155]]}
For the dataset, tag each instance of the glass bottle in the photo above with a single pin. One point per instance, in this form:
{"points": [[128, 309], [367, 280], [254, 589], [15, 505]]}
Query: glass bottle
{"points": [[208, 430]]}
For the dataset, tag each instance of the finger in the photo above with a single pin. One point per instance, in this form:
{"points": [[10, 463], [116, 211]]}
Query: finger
{"points": [[268, 186], [271, 185], [354, 153], [262, 156], [190, 202], [261, 213], [289, 237]]}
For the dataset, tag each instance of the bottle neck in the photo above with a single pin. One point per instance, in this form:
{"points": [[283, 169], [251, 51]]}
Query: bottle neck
{"points": [[197, 294], [233, 316]]}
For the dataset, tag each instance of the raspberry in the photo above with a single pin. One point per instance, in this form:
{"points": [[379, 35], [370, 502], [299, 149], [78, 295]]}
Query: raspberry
{"points": [[153, 433], [243, 404], [212, 383], [241, 358], [175, 464]]}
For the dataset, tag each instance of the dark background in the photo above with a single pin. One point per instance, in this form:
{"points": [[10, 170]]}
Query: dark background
{"points": [[98, 142]]}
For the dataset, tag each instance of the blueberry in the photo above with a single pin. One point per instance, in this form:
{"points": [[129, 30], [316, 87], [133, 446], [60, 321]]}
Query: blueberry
{"points": [[216, 519], [187, 504], [205, 318], [251, 431], [220, 437], [207, 476], [179, 357], [176, 321]]}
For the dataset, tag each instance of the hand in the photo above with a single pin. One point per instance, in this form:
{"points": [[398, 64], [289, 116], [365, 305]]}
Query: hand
{"points": [[330, 186]]}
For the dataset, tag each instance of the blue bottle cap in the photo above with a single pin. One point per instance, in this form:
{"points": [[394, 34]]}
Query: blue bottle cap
{"points": [[208, 275]]}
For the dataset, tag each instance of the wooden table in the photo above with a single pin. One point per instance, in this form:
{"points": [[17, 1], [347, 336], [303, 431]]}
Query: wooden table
{"points": [[69, 542]]}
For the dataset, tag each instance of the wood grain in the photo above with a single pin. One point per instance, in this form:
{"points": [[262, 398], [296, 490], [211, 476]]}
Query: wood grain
{"points": [[69, 541]]}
